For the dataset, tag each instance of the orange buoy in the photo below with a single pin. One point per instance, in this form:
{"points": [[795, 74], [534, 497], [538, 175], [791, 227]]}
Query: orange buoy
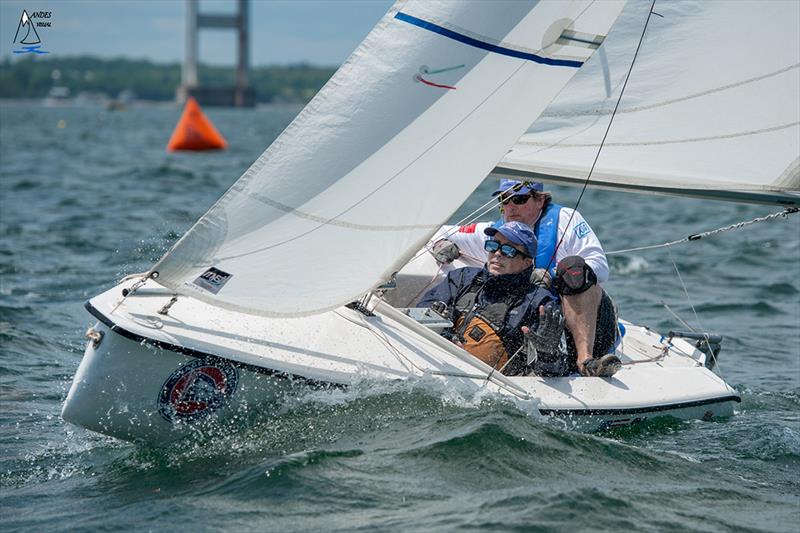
{"points": [[195, 131]]}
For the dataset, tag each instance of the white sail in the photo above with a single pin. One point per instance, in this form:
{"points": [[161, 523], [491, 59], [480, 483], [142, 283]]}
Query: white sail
{"points": [[386, 151], [712, 107]]}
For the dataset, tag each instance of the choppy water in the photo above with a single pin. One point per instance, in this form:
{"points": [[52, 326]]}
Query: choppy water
{"points": [[99, 197]]}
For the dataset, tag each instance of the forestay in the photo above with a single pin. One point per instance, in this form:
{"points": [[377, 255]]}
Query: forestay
{"points": [[386, 151], [712, 107]]}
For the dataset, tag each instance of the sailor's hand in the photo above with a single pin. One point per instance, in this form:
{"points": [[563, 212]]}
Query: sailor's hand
{"points": [[445, 252], [540, 277], [546, 336]]}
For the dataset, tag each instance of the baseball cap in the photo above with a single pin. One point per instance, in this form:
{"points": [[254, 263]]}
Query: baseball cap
{"points": [[518, 187], [516, 232]]}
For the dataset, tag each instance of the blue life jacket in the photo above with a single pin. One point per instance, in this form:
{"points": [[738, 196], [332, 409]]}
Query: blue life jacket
{"points": [[546, 231]]}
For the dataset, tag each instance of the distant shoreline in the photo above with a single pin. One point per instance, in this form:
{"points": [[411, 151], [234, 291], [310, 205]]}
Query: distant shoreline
{"points": [[136, 104], [111, 79]]}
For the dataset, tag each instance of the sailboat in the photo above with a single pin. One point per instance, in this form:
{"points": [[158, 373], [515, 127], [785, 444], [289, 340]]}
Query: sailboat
{"points": [[285, 282]]}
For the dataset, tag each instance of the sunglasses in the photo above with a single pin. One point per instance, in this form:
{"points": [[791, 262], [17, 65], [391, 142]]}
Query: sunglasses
{"points": [[519, 199], [505, 249]]}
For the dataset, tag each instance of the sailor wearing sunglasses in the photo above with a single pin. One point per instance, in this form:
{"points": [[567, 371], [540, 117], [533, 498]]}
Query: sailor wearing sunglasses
{"points": [[499, 316], [574, 261]]}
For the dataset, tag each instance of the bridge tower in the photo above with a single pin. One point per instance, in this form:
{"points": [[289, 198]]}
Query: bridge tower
{"points": [[241, 94]]}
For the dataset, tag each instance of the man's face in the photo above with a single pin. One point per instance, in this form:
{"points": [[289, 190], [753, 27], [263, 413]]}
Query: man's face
{"points": [[500, 265], [527, 213]]}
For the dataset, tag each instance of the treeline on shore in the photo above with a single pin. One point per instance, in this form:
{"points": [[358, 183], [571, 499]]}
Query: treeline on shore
{"points": [[35, 77]]}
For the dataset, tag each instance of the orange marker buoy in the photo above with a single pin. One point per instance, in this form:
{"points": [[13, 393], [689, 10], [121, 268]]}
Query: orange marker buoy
{"points": [[194, 131]]}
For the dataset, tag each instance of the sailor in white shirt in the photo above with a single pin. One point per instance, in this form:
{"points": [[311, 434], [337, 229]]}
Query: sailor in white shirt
{"points": [[570, 252]]}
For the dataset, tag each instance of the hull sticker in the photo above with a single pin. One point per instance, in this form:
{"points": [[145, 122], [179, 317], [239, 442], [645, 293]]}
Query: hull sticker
{"points": [[196, 389], [212, 280]]}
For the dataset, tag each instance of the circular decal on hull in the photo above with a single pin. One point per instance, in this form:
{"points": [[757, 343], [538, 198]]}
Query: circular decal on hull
{"points": [[196, 389]]}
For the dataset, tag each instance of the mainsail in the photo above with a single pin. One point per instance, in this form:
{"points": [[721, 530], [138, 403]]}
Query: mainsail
{"points": [[386, 151], [711, 109]]}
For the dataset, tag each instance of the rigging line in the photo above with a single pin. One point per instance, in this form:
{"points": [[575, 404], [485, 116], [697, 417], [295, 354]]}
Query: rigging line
{"points": [[384, 339], [697, 236], [472, 217], [391, 178], [135, 287], [398, 353], [403, 360], [605, 135], [661, 355], [694, 311], [424, 288], [679, 319]]}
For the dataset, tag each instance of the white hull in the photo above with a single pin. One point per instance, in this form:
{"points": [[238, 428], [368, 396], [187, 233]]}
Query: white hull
{"points": [[156, 378]]}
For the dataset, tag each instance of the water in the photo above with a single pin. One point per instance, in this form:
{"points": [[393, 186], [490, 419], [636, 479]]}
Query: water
{"points": [[99, 198]]}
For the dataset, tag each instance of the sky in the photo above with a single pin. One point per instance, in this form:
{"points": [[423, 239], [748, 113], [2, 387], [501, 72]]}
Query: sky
{"points": [[320, 32]]}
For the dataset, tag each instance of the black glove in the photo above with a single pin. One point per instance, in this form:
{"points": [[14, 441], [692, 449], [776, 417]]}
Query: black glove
{"points": [[445, 252], [544, 357]]}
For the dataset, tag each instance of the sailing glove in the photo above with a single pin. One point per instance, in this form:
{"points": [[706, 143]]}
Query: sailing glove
{"points": [[445, 252], [542, 344]]}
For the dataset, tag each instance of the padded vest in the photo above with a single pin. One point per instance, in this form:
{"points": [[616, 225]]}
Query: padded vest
{"points": [[478, 326]]}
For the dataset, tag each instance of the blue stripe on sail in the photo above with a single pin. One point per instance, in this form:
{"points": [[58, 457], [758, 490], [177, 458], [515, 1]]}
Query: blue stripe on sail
{"points": [[430, 26]]}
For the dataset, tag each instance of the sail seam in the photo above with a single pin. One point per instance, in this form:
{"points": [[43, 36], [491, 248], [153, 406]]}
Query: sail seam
{"points": [[668, 141], [344, 224], [484, 44], [635, 109]]}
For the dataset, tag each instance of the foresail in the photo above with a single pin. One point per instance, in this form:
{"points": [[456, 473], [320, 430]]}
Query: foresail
{"points": [[386, 151], [712, 107]]}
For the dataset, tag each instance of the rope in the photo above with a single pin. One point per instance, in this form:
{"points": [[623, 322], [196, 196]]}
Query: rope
{"points": [[696, 317], [661, 355], [605, 135], [679, 319], [697, 236], [474, 216]]}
